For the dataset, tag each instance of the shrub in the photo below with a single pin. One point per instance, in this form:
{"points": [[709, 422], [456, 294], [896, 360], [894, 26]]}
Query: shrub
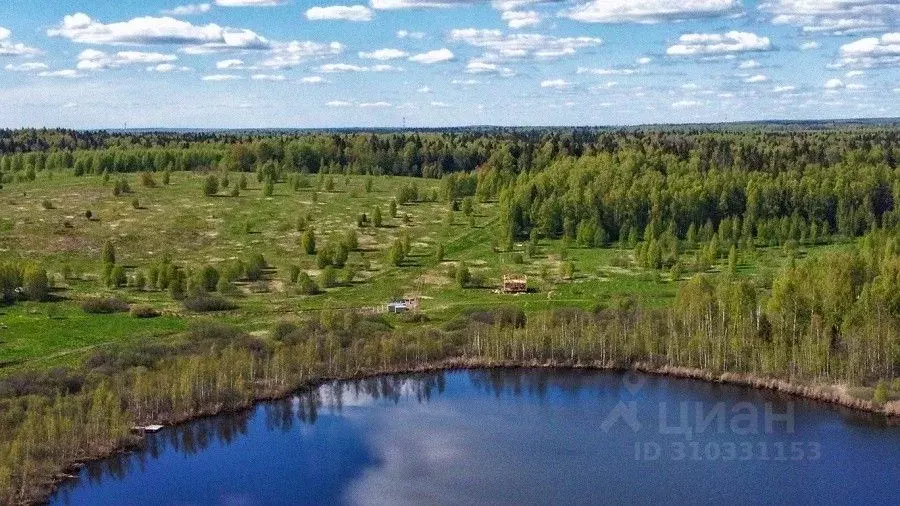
{"points": [[104, 305], [328, 277], [209, 278], [463, 276], [117, 277], [88, 214], [143, 311], [308, 242], [215, 331], [36, 284], [47, 204], [147, 180], [109, 253], [206, 303], [305, 285], [255, 267], [211, 186]]}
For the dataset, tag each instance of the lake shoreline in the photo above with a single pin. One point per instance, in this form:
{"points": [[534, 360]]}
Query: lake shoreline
{"points": [[835, 395]]}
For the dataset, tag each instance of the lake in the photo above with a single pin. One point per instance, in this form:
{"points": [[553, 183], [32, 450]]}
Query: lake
{"points": [[506, 436]]}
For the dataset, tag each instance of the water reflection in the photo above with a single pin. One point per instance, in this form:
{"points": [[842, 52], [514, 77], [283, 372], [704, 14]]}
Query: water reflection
{"points": [[497, 436]]}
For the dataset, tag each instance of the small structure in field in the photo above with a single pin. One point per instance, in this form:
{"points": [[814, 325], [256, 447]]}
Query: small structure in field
{"points": [[406, 304], [515, 284]]}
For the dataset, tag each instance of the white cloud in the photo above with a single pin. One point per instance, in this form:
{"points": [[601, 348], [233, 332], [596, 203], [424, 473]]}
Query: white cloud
{"points": [[92, 59], [784, 89], [834, 16], [413, 4], [521, 45], [383, 54], [854, 73], [749, 64], [650, 11], [440, 104], [333, 68], [267, 77], [424, 89], [872, 52], [8, 48], [339, 103], [758, 78], [164, 68], [222, 77], [357, 13], [232, 63], [188, 10], [250, 3], [521, 19], [644, 60], [82, 29], [26, 67], [557, 84], [684, 104], [705, 44], [66, 73], [375, 104], [406, 34], [435, 56], [291, 54], [312, 80], [480, 67], [833, 84], [855, 86], [810, 45], [465, 82], [605, 71], [341, 67]]}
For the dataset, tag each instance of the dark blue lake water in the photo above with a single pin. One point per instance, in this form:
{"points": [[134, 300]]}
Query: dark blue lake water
{"points": [[512, 437]]}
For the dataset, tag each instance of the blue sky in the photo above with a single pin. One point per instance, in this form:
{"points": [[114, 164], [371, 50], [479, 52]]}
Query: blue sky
{"points": [[326, 63]]}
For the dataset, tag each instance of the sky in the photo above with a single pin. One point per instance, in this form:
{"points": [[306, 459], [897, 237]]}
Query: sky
{"points": [[434, 63]]}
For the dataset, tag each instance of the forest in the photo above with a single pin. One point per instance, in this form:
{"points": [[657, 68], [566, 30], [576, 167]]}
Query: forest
{"points": [[153, 277]]}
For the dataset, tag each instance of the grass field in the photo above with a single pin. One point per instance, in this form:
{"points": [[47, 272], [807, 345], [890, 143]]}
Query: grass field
{"points": [[44, 221]]}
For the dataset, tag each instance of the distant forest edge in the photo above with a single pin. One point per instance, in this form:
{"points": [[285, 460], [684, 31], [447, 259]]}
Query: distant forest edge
{"points": [[701, 207]]}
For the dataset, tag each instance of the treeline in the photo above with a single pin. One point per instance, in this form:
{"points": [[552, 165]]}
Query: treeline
{"points": [[631, 197], [432, 154], [835, 319]]}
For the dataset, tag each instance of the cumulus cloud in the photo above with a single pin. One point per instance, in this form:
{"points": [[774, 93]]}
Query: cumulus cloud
{"points": [[434, 56], [339, 103], [267, 77], [414, 4], [833, 84], [521, 45], [164, 68], [334, 68], [521, 19], [439, 104], [872, 52], [188, 10], [606, 71], [406, 34], [383, 54], [557, 84], [312, 80], [291, 54], [784, 89], [834, 16], [80, 28], [358, 13], [375, 104], [250, 3], [65, 73], [481, 67], [684, 104], [222, 77], [424, 89], [92, 59], [232, 63], [714, 44], [749, 64], [809, 45], [758, 78], [26, 67], [650, 11], [9, 48], [644, 60]]}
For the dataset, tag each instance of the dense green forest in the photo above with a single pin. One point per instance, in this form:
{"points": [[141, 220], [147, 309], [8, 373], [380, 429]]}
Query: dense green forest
{"points": [[773, 253]]}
